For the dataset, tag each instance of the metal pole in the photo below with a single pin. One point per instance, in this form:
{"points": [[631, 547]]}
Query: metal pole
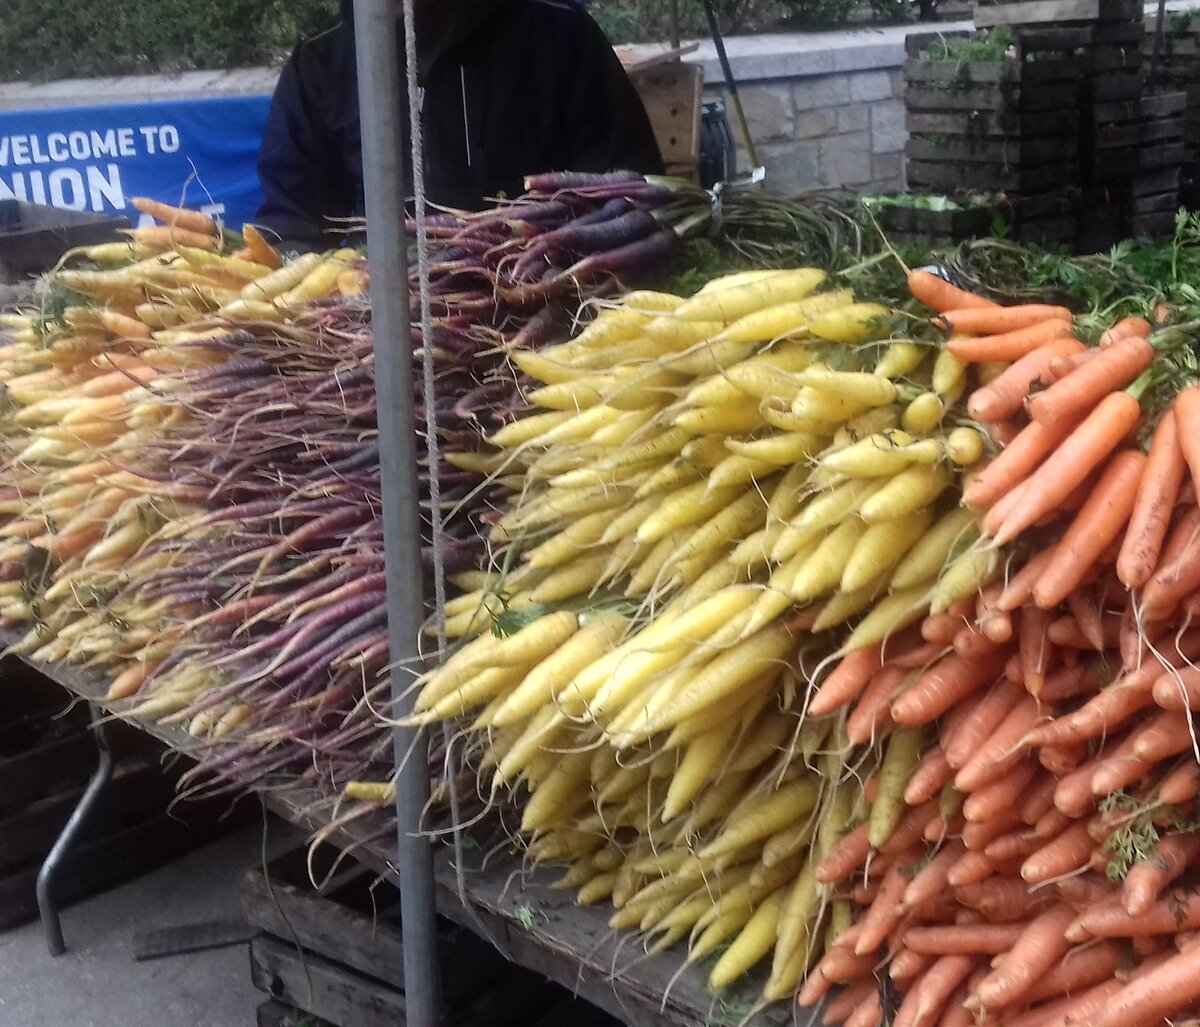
{"points": [[673, 10], [731, 85], [1160, 19], [47, 879], [384, 188]]}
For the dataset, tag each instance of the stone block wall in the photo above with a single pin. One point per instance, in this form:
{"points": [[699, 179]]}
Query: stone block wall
{"points": [[826, 109]]}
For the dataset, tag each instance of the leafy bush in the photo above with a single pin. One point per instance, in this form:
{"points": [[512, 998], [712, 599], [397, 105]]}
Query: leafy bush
{"points": [[628, 21], [48, 39]]}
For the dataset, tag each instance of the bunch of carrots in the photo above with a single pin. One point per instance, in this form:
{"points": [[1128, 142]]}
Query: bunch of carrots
{"points": [[1040, 874]]}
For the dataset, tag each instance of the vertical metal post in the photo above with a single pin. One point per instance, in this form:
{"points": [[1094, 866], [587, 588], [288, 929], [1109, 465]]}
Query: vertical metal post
{"points": [[383, 180], [673, 12], [739, 111]]}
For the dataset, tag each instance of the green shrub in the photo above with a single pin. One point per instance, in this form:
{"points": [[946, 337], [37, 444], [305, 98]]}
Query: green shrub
{"points": [[48, 39]]}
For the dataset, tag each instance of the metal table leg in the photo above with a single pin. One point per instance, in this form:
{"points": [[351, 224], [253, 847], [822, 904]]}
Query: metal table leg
{"points": [[47, 876]]}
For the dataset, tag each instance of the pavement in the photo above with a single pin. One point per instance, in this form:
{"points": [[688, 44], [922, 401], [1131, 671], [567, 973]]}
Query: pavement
{"points": [[98, 983]]}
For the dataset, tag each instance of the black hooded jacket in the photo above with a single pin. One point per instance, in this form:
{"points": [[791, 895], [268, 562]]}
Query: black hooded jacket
{"points": [[511, 87]]}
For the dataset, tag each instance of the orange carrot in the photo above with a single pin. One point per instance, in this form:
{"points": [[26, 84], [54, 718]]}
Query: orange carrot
{"points": [[1072, 396], [1159, 488], [911, 828], [867, 1014], [999, 794], [1088, 446], [180, 217], [1004, 899], [1100, 631], [907, 965], [934, 291], [1062, 760], [989, 712], [931, 879], [1168, 734], [1178, 689], [1066, 853], [1037, 801], [972, 867], [919, 656], [1176, 912], [940, 628], [933, 991], [1154, 995], [1145, 881], [1040, 946], [167, 237], [977, 835], [1060, 367], [1181, 785], [1003, 749], [1019, 589], [929, 777], [1074, 1011], [1013, 465], [1126, 326], [873, 709], [1004, 396], [885, 912], [1101, 521], [1187, 421], [847, 854], [994, 320], [1079, 969], [1007, 345], [972, 644], [844, 1004], [838, 966], [1014, 845], [1178, 572], [1035, 649], [846, 681], [946, 683]]}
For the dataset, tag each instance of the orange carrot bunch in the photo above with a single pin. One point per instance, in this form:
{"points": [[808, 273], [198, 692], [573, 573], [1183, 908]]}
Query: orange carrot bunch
{"points": [[1042, 873]]}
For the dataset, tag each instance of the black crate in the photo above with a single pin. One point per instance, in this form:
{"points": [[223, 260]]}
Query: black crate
{"points": [[33, 237]]}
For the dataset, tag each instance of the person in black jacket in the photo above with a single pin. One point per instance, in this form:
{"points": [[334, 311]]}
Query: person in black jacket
{"points": [[511, 87]]}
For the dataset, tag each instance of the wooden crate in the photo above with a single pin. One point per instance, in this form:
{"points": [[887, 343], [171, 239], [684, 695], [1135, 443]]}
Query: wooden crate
{"points": [[336, 953], [671, 95]]}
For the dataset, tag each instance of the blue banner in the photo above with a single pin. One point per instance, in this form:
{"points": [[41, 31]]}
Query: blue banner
{"points": [[198, 153]]}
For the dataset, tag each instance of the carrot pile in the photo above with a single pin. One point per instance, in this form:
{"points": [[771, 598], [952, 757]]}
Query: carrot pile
{"points": [[960, 763], [191, 464], [846, 648], [1049, 840]]}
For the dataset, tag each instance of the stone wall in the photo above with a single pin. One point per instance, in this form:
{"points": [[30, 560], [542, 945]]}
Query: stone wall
{"points": [[826, 109]]}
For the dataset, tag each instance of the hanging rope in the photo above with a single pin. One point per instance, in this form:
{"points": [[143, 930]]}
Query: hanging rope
{"points": [[416, 141]]}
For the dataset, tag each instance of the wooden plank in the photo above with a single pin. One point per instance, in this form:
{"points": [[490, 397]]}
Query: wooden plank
{"points": [[1041, 98], [1031, 12], [1003, 153], [321, 987], [938, 175], [671, 96], [984, 124], [635, 63]]}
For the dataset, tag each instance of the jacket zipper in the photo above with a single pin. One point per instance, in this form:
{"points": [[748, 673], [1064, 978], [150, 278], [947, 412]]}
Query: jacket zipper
{"points": [[462, 77]]}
